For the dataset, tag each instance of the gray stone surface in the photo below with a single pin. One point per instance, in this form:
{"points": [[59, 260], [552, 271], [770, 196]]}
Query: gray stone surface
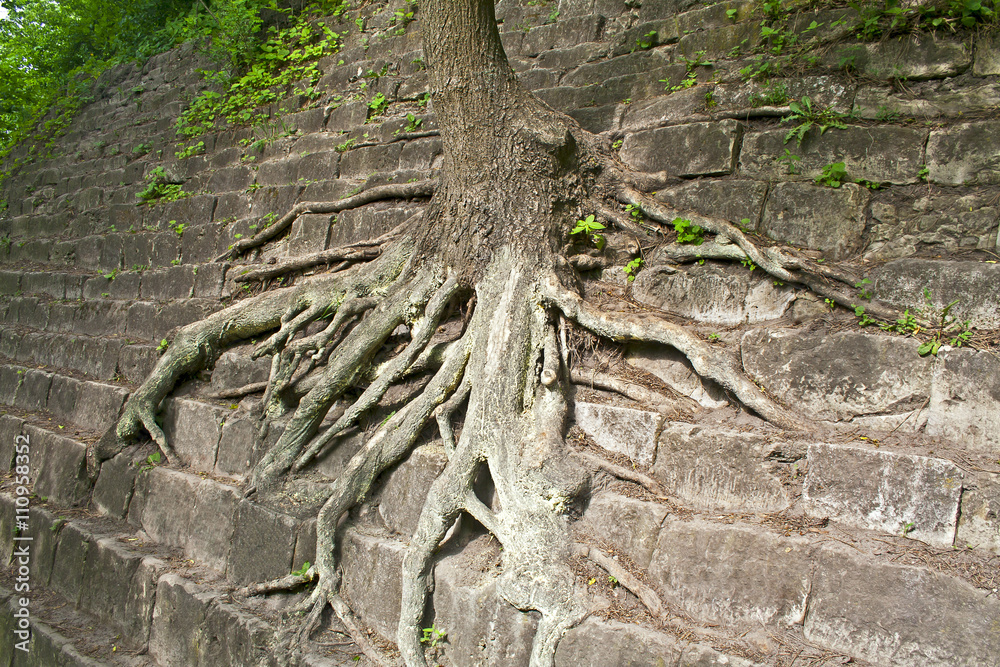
{"points": [[367, 559], [193, 430], [935, 99], [627, 525], [898, 160], [828, 219], [840, 375], [309, 234], [731, 200], [885, 491], [963, 402], [696, 149], [732, 574], [402, 498], [965, 154], [597, 643], [975, 286], [263, 544], [713, 293], [893, 614], [915, 57], [120, 587], [621, 430], [716, 469], [938, 221], [979, 521], [987, 59]]}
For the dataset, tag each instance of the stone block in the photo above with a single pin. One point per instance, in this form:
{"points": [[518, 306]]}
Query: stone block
{"points": [[366, 559], [309, 234], [200, 243], [840, 375], [61, 473], [877, 154], [278, 172], [627, 525], [136, 362], [752, 576], [365, 223], [831, 220], [720, 41], [899, 615], [913, 57], [979, 519], [965, 392], [884, 491], [677, 108], [10, 428], [597, 642], [975, 286], [939, 221], [598, 119], [421, 154], [483, 628], [63, 396], [33, 390], [178, 635], [209, 280], [69, 562], [121, 286], [696, 149], [362, 162], [347, 116], [171, 502], [116, 482], [713, 293], [263, 544], [943, 100], [120, 587], [987, 59], [231, 179], [731, 200], [402, 498], [51, 284], [599, 72], [965, 154], [624, 431], [562, 34], [193, 430], [719, 470], [99, 405], [174, 282]]}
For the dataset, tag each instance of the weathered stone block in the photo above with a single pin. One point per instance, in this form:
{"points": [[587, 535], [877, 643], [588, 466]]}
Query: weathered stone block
{"points": [[116, 482], [621, 430], [361, 162], [715, 293], [966, 154], [683, 106], [965, 392], [975, 286], [61, 472], [752, 576], [877, 154], [178, 635], [562, 34], [828, 219], [309, 234], [483, 628], [941, 100], [402, 498], [840, 375], [987, 60], [914, 57], [99, 405], [175, 282], [263, 544], [193, 430], [33, 389], [365, 223], [595, 643], [697, 149], [885, 491], [69, 562], [979, 520], [726, 199], [120, 587], [716, 469], [630, 526], [905, 616], [367, 559]]}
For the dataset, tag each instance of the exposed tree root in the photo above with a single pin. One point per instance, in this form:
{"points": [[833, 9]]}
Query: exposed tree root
{"points": [[706, 361], [636, 392], [391, 191], [621, 472], [649, 597]]}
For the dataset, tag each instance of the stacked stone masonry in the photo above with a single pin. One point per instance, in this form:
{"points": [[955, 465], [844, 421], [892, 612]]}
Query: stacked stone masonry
{"points": [[881, 545]]}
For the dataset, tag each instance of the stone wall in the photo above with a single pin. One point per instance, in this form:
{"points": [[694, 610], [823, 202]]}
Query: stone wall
{"points": [[872, 536]]}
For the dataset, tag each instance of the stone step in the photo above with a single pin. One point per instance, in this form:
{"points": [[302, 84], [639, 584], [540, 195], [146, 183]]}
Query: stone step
{"points": [[105, 359], [137, 320]]}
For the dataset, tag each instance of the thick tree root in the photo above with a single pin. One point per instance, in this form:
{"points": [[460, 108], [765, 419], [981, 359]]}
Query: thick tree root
{"points": [[391, 191], [649, 597], [642, 327]]}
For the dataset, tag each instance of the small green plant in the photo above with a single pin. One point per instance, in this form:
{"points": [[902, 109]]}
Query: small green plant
{"points": [[634, 211], [806, 117], [863, 286], [111, 275], [864, 319], [748, 263], [301, 572], [713, 337], [923, 173], [831, 303], [151, 462], [632, 268], [775, 93], [616, 144], [177, 227], [346, 146], [613, 581], [834, 174], [159, 189], [789, 159], [646, 41], [908, 528], [433, 636], [162, 347], [188, 151], [412, 123], [936, 327], [688, 233], [589, 228], [377, 105], [141, 149]]}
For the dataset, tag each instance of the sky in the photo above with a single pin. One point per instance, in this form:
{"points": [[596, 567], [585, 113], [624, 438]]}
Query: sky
{"points": [[3, 13]]}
